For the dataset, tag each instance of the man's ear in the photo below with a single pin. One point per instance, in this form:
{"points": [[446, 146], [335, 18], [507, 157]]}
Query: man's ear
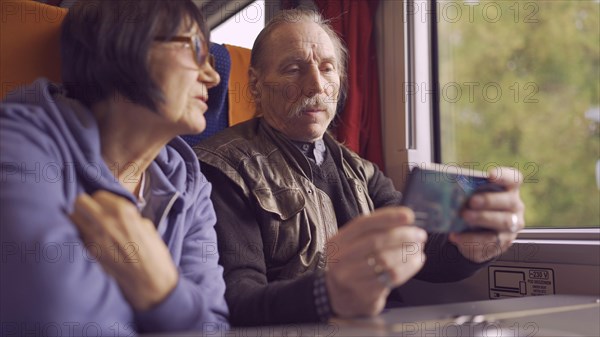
{"points": [[253, 83]]}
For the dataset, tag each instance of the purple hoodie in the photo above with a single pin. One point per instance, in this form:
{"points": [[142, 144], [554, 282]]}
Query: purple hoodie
{"points": [[50, 284]]}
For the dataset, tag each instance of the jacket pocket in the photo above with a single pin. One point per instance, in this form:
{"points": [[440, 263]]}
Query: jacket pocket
{"points": [[284, 203], [283, 224]]}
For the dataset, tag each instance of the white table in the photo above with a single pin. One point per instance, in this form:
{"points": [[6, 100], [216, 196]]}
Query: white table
{"points": [[536, 316]]}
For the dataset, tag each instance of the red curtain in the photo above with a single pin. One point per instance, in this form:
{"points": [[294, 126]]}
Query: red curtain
{"points": [[359, 126]]}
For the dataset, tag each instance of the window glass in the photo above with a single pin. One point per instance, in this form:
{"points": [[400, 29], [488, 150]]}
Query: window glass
{"points": [[242, 28], [520, 86]]}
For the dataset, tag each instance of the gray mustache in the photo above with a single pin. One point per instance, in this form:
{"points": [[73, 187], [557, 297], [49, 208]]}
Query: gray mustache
{"points": [[311, 103]]}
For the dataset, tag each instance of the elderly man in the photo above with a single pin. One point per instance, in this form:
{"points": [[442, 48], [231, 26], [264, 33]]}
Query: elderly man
{"points": [[306, 228]]}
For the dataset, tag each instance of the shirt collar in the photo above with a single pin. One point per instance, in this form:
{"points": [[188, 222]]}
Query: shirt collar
{"points": [[315, 150]]}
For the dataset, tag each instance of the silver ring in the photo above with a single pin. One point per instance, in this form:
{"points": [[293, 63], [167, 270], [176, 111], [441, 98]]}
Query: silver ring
{"points": [[383, 276], [514, 225], [372, 262]]}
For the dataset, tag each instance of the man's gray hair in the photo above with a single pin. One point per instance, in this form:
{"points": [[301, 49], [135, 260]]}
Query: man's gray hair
{"points": [[295, 16]]}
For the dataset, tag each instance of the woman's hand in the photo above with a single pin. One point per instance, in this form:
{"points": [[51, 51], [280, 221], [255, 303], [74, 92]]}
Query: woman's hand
{"points": [[127, 246]]}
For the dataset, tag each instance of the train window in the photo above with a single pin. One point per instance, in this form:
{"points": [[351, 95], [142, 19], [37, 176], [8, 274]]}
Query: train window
{"points": [[243, 27], [519, 86]]}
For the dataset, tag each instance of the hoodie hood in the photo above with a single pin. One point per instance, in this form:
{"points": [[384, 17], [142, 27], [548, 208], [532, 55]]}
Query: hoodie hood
{"points": [[73, 128]]}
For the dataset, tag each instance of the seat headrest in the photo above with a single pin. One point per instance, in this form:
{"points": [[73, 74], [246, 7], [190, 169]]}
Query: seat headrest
{"points": [[241, 103], [30, 35]]}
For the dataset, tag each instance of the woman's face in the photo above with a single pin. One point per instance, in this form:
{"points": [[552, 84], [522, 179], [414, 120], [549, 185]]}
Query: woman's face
{"points": [[184, 83]]}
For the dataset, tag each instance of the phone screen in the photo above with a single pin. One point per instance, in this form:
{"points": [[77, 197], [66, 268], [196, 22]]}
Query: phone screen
{"points": [[437, 197]]}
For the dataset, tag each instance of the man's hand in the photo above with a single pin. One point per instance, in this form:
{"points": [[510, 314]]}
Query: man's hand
{"points": [[500, 212], [373, 254], [127, 246]]}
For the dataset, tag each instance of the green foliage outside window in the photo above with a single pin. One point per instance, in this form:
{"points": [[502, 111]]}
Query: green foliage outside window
{"points": [[516, 81]]}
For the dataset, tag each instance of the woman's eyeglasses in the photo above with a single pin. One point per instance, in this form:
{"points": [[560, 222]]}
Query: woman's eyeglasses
{"points": [[199, 48]]}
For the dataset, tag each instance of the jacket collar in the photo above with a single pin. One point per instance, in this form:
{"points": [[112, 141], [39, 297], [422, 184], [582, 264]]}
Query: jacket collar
{"points": [[300, 162]]}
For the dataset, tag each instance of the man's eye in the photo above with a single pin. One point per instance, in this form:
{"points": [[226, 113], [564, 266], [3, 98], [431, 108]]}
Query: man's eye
{"points": [[327, 68], [292, 70]]}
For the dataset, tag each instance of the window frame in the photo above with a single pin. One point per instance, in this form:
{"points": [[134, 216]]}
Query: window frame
{"points": [[415, 114]]}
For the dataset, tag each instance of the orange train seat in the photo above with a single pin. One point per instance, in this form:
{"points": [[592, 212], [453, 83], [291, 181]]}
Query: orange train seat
{"points": [[30, 42], [241, 104]]}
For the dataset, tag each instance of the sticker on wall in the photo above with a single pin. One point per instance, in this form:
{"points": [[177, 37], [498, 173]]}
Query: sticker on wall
{"points": [[518, 281]]}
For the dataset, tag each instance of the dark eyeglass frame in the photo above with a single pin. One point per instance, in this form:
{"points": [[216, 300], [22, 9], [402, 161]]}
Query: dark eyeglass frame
{"points": [[199, 48]]}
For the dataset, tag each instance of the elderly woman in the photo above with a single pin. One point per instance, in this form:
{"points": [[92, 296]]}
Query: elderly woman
{"points": [[106, 221]]}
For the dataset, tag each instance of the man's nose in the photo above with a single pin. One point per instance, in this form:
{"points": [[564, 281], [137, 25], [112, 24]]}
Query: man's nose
{"points": [[313, 84]]}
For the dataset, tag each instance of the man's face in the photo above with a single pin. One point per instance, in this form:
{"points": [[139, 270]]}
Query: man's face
{"points": [[298, 84]]}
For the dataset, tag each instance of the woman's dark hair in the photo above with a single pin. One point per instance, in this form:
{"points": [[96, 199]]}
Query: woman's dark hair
{"points": [[105, 46]]}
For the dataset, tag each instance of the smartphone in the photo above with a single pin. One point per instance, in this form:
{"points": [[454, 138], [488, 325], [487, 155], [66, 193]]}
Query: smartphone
{"points": [[438, 194]]}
